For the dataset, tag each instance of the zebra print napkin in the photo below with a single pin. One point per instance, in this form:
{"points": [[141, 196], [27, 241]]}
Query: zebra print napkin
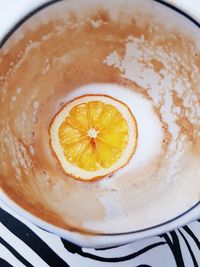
{"points": [[23, 244]]}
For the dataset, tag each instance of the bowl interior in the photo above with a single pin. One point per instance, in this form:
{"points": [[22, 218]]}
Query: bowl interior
{"points": [[140, 52]]}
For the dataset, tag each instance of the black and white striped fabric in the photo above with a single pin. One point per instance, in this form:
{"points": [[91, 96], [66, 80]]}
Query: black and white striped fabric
{"points": [[23, 244]]}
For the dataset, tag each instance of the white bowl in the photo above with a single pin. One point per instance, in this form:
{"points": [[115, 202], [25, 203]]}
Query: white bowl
{"points": [[166, 12]]}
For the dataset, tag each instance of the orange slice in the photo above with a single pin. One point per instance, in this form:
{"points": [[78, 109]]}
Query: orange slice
{"points": [[92, 136]]}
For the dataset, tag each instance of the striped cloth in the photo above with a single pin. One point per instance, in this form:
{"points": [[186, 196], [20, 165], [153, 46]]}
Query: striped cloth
{"points": [[23, 244]]}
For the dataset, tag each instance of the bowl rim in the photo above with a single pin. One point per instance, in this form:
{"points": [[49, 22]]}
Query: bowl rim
{"points": [[36, 220]]}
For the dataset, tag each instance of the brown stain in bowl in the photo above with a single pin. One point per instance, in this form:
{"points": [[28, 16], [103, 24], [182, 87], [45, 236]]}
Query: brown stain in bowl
{"points": [[187, 128]]}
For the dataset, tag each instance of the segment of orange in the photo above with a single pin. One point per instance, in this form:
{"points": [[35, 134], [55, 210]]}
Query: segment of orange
{"points": [[92, 136]]}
